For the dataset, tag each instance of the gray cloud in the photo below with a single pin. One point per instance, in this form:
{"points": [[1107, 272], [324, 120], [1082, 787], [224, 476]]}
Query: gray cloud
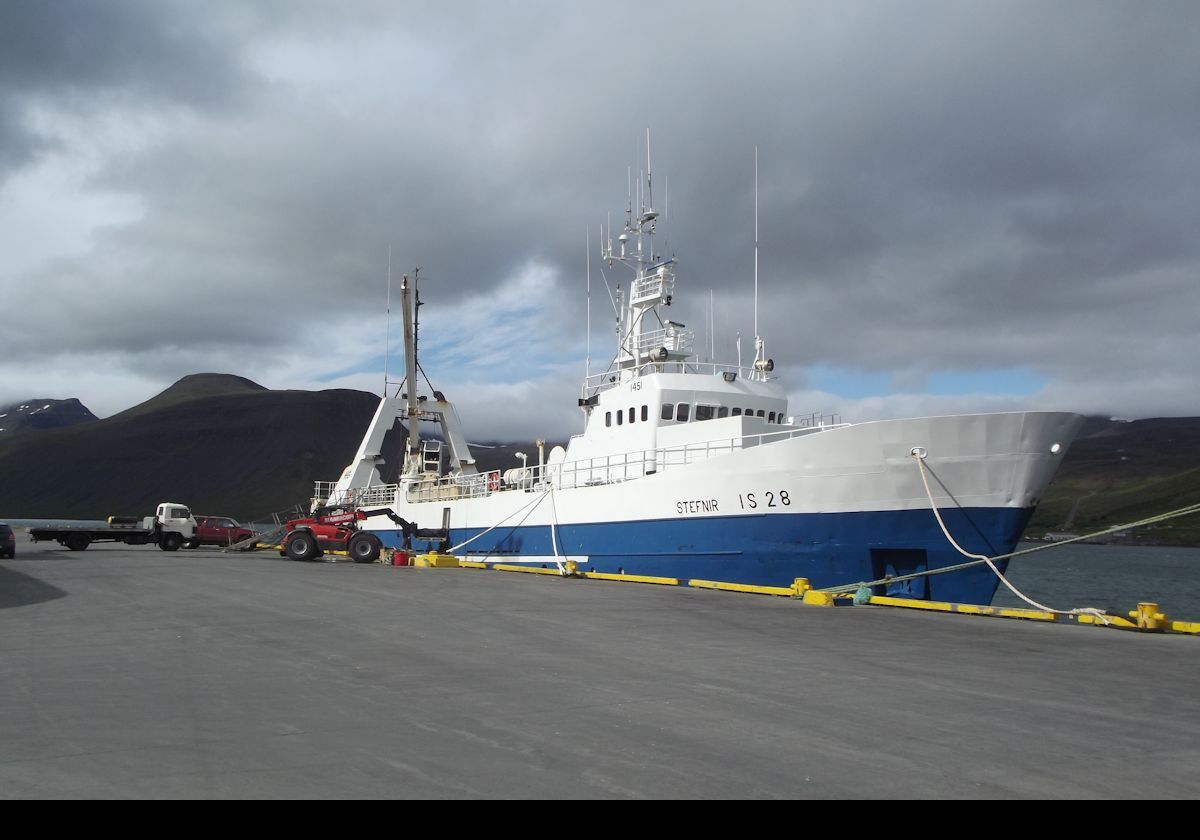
{"points": [[943, 187], [160, 48], [87, 56]]}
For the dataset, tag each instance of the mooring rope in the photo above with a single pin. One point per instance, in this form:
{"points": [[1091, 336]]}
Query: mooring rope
{"points": [[919, 456], [541, 498]]}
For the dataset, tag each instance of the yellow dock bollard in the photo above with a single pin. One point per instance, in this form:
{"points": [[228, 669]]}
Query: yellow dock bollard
{"points": [[800, 586], [1148, 617]]}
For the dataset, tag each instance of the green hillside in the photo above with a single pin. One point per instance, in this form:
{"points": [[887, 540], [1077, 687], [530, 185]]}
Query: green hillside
{"points": [[1118, 472]]}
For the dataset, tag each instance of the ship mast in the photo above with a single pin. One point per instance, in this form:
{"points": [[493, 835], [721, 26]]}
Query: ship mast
{"points": [[640, 344], [412, 456], [762, 365]]}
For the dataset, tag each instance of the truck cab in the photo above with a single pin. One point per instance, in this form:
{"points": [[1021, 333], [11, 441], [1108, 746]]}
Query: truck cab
{"points": [[172, 518]]}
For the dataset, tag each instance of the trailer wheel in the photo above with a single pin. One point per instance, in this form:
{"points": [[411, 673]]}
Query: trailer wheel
{"points": [[170, 542], [364, 548], [77, 542], [301, 546]]}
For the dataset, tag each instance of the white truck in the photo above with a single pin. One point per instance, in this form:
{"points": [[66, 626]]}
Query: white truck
{"points": [[171, 525]]}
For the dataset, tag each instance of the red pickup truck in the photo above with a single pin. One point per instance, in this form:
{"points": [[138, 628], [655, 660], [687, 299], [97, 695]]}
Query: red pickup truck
{"points": [[218, 530]]}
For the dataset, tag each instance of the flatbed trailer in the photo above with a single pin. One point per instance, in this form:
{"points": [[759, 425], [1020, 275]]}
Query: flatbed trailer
{"points": [[171, 525]]}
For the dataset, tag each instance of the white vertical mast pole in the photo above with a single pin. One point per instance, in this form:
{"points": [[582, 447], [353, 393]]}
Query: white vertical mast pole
{"points": [[387, 330], [649, 183], [712, 330], [756, 243], [587, 365], [412, 464]]}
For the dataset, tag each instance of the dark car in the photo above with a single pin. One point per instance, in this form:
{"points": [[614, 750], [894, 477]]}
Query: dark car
{"points": [[8, 541], [218, 530]]}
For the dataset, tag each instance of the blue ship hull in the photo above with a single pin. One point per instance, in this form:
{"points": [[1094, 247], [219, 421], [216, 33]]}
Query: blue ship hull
{"points": [[774, 549]]}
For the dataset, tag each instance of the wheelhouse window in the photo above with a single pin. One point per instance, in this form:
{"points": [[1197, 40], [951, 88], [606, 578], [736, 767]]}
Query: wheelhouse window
{"points": [[682, 411], [704, 412], [723, 411], [762, 413], [771, 417], [668, 411], [737, 412]]}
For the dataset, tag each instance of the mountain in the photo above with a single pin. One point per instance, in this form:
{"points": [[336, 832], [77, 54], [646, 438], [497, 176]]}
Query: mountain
{"points": [[1121, 471], [40, 414], [221, 444], [195, 386]]}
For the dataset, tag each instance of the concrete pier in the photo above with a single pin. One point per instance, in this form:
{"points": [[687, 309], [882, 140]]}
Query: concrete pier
{"points": [[135, 673]]}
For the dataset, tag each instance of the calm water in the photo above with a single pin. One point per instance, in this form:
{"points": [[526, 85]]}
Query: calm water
{"points": [[1110, 577]]}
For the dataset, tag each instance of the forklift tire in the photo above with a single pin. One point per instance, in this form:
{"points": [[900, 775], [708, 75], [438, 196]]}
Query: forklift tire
{"points": [[302, 546], [364, 548]]}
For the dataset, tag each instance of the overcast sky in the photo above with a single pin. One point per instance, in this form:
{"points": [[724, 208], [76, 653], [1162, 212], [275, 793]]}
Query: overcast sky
{"points": [[964, 205]]}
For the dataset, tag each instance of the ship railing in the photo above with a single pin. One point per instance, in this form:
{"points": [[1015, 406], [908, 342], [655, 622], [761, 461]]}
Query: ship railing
{"points": [[598, 382], [817, 420], [426, 488], [376, 495], [323, 489], [461, 486], [626, 466], [606, 469], [674, 339], [657, 285]]}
